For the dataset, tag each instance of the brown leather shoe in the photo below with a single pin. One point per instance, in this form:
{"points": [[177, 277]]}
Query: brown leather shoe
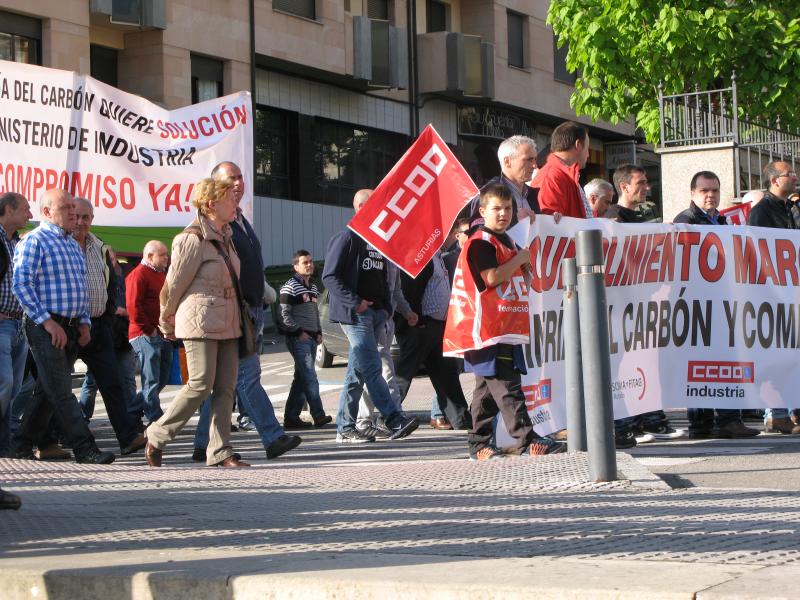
{"points": [[135, 444], [152, 455], [440, 423], [231, 462], [52, 452]]}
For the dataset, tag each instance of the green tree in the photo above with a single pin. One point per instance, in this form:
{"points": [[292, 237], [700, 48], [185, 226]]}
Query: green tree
{"points": [[622, 49]]}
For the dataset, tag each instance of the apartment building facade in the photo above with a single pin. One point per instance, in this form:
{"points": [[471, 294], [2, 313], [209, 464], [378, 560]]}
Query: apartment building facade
{"points": [[341, 87]]}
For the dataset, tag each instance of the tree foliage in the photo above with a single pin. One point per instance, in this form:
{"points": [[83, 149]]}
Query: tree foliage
{"points": [[622, 49]]}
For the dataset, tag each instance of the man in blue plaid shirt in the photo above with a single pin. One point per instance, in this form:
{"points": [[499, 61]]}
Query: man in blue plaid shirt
{"points": [[49, 280]]}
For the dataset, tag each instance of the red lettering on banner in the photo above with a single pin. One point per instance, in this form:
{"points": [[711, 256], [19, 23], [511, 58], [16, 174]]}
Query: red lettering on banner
{"points": [[406, 215], [765, 269], [687, 239], [545, 262], [786, 258], [744, 259], [706, 272]]}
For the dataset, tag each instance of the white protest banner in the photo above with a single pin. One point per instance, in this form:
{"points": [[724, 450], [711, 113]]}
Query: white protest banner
{"points": [[135, 161], [699, 316]]}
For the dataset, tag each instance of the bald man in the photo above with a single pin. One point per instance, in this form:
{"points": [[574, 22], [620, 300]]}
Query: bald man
{"points": [[357, 278], [50, 282], [142, 287]]}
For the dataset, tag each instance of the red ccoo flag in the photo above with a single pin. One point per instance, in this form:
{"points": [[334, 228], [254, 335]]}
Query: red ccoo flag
{"points": [[410, 213]]}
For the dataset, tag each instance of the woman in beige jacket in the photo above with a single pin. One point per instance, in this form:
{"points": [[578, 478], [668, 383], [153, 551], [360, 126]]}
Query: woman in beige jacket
{"points": [[199, 305]]}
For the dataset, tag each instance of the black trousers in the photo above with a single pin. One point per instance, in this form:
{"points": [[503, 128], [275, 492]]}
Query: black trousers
{"points": [[101, 359], [52, 396], [501, 393], [422, 346]]}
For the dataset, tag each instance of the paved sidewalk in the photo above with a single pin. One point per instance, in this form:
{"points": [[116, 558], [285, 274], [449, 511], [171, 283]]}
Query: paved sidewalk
{"points": [[387, 527]]}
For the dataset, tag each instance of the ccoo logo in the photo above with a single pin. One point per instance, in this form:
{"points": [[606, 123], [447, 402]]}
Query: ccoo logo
{"points": [[720, 371]]}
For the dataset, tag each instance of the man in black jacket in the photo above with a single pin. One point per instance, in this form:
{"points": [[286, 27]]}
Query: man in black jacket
{"points": [[429, 296], [703, 423], [775, 210]]}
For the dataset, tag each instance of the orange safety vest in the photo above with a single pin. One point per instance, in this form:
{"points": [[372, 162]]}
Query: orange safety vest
{"points": [[497, 315]]}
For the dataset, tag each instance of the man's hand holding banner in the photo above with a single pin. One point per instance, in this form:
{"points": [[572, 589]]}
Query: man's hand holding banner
{"points": [[410, 213]]}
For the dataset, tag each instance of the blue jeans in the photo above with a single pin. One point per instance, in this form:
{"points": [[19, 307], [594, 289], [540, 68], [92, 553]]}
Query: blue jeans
{"points": [[13, 353], [305, 386], [436, 412], [251, 396], [52, 396], [126, 364], [155, 356], [364, 368]]}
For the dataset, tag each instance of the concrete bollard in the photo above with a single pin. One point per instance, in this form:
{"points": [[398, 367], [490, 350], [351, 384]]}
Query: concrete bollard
{"points": [[593, 310], [576, 414]]}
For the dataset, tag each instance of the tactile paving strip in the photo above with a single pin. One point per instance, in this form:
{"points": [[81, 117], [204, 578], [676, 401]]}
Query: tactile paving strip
{"points": [[515, 507]]}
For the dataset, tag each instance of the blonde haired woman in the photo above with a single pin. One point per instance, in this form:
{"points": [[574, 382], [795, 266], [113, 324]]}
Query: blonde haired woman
{"points": [[199, 305]]}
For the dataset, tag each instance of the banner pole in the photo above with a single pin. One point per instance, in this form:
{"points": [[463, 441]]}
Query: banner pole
{"points": [[593, 311], [576, 414]]}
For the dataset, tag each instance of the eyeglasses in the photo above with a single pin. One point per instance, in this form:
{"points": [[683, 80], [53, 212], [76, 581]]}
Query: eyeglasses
{"points": [[787, 174], [463, 232]]}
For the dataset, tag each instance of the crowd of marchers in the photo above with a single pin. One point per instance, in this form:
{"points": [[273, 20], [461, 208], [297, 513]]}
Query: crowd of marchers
{"points": [[63, 297]]}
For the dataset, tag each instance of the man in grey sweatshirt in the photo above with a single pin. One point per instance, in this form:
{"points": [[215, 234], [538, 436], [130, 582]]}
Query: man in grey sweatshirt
{"points": [[300, 316]]}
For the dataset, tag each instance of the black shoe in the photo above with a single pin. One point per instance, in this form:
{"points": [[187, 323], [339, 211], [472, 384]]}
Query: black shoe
{"points": [[624, 440], [544, 446], [9, 501], [736, 430], [404, 427], [24, 454], [295, 423], [95, 457], [373, 431], [323, 420], [282, 445], [354, 436], [702, 435]]}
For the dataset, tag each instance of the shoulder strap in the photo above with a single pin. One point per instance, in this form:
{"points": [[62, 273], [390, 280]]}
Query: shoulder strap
{"points": [[194, 229], [231, 270]]}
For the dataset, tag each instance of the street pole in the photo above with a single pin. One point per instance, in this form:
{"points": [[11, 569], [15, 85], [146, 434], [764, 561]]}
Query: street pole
{"points": [[593, 312], [576, 417]]}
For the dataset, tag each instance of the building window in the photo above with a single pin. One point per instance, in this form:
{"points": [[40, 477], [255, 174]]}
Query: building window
{"points": [[437, 16], [348, 158], [378, 9], [560, 64], [206, 78], [517, 26], [103, 63], [273, 137], [301, 8], [20, 38]]}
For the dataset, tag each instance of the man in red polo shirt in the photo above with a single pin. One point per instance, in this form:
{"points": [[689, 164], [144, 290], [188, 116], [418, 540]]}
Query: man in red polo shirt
{"points": [[142, 287], [557, 181]]}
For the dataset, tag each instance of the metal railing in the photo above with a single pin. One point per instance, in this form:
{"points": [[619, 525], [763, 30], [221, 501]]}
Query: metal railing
{"points": [[702, 118]]}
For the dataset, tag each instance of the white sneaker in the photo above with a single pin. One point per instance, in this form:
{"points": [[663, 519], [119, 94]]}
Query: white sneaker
{"points": [[665, 432], [645, 438]]}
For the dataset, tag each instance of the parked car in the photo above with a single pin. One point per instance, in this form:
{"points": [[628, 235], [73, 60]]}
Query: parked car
{"points": [[334, 341]]}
